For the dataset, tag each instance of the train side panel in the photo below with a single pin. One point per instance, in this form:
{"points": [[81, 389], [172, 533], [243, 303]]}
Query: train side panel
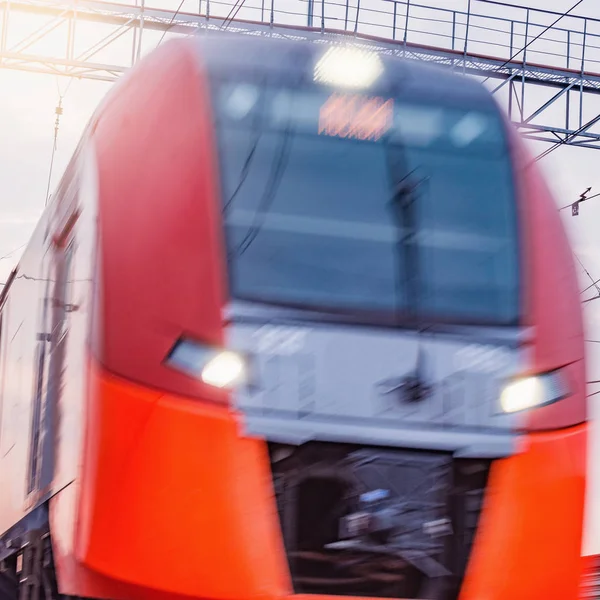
{"points": [[43, 362], [76, 231], [22, 321]]}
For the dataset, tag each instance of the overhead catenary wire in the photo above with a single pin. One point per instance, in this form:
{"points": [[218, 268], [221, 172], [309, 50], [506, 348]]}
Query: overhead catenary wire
{"points": [[236, 7], [58, 111], [581, 199], [232, 15], [9, 254], [175, 14], [593, 284], [567, 138]]}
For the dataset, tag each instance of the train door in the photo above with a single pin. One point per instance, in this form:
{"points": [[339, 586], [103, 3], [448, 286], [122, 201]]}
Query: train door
{"points": [[50, 364]]}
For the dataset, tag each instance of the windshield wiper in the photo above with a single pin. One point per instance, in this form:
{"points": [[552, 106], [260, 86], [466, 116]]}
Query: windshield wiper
{"points": [[404, 205], [245, 169], [257, 126], [278, 167], [405, 197]]}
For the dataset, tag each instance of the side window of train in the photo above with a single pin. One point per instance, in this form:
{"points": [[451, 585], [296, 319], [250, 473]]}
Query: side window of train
{"points": [[51, 359], [62, 296], [41, 370], [68, 290]]}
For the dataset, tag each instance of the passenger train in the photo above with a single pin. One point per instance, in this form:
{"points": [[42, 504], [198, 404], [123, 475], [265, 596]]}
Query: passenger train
{"points": [[301, 320]]}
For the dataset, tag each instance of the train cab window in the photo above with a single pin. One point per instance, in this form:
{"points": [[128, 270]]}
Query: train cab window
{"points": [[382, 207]]}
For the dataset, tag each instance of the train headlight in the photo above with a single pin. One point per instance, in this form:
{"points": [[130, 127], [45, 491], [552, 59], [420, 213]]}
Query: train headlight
{"points": [[348, 67], [224, 369], [215, 366], [537, 390]]}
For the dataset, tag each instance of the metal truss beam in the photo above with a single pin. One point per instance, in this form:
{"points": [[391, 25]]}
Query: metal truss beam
{"points": [[559, 73]]}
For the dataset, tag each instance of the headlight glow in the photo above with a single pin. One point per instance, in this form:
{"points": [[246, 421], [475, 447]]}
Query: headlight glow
{"points": [[214, 366], [521, 394], [537, 390], [348, 67], [224, 370]]}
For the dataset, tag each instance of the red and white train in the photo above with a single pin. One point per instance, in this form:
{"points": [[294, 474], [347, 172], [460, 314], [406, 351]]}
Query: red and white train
{"points": [[301, 320]]}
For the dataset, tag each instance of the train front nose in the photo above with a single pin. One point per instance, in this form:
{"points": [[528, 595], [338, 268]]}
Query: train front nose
{"points": [[367, 454], [380, 447]]}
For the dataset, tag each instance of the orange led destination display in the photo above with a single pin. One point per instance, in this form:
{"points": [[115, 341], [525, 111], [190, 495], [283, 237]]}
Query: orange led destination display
{"points": [[357, 117]]}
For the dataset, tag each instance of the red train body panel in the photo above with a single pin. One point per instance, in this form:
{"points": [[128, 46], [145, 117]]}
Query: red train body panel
{"points": [[153, 485]]}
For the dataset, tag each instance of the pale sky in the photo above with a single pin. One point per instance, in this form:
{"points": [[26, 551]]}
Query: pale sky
{"points": [[27, 103]]}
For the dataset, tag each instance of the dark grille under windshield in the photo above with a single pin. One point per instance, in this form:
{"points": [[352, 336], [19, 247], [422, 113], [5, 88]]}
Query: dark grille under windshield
{"points": [[406, 213]]}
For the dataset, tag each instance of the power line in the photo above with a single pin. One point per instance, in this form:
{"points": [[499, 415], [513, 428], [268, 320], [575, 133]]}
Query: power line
{"points": [[590, 286], [582, 198], [46, 280], [562, 16], [575, 207], [229, 18], [567, 138], [162, 37], [58, 111], [594, 283], [9, 254]]}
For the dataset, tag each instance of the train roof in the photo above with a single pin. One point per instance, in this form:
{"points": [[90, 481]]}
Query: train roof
{"points": [[243, 53]]}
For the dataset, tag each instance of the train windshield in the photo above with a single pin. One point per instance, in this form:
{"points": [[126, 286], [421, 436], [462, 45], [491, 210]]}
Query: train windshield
{"points": [[379, 208]]}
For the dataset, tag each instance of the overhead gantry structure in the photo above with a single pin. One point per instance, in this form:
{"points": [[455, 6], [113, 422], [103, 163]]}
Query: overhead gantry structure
{"points": [[548, 77]]}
